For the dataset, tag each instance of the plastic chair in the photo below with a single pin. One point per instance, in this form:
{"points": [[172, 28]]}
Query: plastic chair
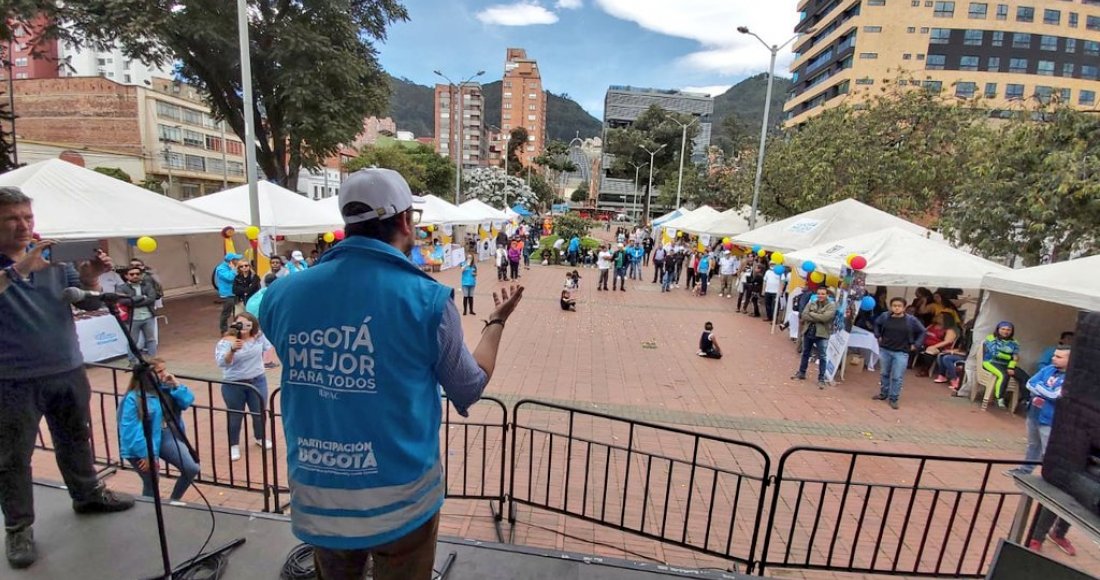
{"points": [[986, 381]]}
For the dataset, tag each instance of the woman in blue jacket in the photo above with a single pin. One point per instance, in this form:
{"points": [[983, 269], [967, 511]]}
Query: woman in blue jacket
{"points": [[167, 443], [469, 280]]}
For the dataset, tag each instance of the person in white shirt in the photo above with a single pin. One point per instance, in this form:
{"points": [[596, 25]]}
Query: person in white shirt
{"points": [[727, 269], [502, 263], [603, 263], [772, 285]]}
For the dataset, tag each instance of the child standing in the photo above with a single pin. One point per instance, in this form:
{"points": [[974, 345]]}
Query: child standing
{"points": [[708, 343]]}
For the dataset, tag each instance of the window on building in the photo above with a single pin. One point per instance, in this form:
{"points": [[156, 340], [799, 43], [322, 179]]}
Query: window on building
{"points": [[924, 30], [1045, 68], [1021, 40], [195, 163], [1002, 12], [215, 165], [21, 75], [1086, 97], [1067, 69], [169, 134], [920, 56], [993, 64], [168, 111], [21, 61], [1052, 16], [532, 108], [1089, 72], [940, 36], [865, 81], [192, 117], [532, 96], [508, 95], [990, 91], [1043, 94], [868, 55], [907, 56], [935, 62], [968, 63], [530, 147], [876, 2], [943, 10], [234, 147], [1014, 91], [235, 168], [1017, 65], [1025, 14], [1092, 22], [998, 38], [213, 143], [978, 10], [1092, 47], [173, 159], [933, 86], [127, 79], [193, 138], [966, 90], [973, 37], [1071, 45], [1064, 95], [104, 61], [1049, 43], [911, 29], [1073, 20]]}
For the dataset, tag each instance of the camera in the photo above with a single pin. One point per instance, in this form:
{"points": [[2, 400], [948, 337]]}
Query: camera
{"points": [[238, 326]]}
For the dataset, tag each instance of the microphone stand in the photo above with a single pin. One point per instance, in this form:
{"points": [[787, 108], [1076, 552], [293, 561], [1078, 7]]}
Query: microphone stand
{"points": [[148, 382]]}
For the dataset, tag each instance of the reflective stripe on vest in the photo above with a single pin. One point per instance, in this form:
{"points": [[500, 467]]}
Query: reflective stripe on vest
{"points": [[351, 524], [376, 498]]}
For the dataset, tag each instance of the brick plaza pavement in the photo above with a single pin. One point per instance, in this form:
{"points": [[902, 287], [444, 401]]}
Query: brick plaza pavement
{"points": [[632, 354]]}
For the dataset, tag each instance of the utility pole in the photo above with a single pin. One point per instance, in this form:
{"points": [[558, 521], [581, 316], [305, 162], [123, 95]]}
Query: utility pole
{"points": [[649, 189], [225, 161], [168, 165], [683, 151], [249, 114], [637, 170]]}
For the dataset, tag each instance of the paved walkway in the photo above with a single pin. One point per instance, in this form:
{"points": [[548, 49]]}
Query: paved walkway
{"points": [[632, 354]]}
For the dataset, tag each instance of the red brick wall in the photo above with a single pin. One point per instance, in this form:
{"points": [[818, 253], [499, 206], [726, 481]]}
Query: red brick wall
{"points": [[79, 111]]}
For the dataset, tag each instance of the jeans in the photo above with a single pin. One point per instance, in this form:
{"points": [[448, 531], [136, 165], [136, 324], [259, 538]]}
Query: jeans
{"points": [[945, 365], [602, 284], [174, 453], [1047, 521], [1037, 437], [690, 284], [410, 557], [502, 273], [809, 342], [703, 278], [229, 308], [894, 363], [148, 329], [63, 399], [514, 269], [666, 281], [526, 259], [645, 258], [620, 278], [573, 258], [635, 271], [769, 305], [236, 398]]}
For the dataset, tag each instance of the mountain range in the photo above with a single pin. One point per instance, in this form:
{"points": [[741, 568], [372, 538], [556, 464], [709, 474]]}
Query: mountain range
{"points": [[412, 108]]}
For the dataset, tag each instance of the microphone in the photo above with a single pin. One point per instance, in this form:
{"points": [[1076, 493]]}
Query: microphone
{"points": [[73, 295]]}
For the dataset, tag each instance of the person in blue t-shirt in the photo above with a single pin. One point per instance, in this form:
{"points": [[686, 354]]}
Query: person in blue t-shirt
{"points": [[469, 280], [361, 378]]}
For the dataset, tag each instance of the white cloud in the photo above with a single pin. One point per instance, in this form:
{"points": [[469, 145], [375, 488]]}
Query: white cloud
{"points": [[713, 24], [518, 14], [713, 90], [568, 4]]}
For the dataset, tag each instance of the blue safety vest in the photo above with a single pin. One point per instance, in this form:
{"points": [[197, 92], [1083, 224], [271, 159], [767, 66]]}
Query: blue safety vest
{"points": [[357, 336]]}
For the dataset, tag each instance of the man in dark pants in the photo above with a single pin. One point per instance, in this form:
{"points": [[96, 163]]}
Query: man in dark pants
{"points": [[898, 335], [647, 245], [815, 326], [42, 374], [658, 264]]}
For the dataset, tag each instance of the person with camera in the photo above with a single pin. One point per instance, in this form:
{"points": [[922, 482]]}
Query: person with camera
{"points": [[42, 374], [240, 355], [168, 430], [361, 377]]}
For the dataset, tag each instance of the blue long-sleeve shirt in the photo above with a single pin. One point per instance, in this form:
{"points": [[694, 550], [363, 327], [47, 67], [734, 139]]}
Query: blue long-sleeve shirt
{"points": [[131, 436]]}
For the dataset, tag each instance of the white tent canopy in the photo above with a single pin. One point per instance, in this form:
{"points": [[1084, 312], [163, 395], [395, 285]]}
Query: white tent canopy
{"points": [[71, 202], [835, 221], [728, 223], [897, 257], [440, 212], [661, 221], [690, 219], [1074, 283], [483, 210], [289, 213]]}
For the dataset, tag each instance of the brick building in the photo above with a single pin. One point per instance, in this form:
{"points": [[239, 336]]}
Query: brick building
{"points": [[523, 102], [467, 104]]}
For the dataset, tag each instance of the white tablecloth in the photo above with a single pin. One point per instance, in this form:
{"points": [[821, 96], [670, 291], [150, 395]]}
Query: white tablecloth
{"points": [[866, 341], [100, 338]]}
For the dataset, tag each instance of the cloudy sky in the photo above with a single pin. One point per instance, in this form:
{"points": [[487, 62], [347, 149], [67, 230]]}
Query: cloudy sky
{"points": [[585, 45]]}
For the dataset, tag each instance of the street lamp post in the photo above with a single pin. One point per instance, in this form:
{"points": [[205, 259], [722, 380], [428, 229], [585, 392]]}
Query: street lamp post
{"points": [[774, 49], [249, 115], [456, 100], [649, 188], [683, 151], [637, 170]]}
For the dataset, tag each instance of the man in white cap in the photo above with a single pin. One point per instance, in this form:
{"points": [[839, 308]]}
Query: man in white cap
{"points": [[297, 262], [361, 377]]}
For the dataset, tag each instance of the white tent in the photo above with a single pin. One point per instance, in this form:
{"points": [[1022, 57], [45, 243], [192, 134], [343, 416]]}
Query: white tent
{"points": [[289, 213], [661, 221], [897, 257], [728, 223], [833, 222], [440, 212], [692, 218], [1042, 302], [484, 210], [71, 202]]}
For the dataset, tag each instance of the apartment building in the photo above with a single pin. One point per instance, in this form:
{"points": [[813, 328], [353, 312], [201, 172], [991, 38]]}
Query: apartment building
{"points": [[460, 124], [523, 102]]}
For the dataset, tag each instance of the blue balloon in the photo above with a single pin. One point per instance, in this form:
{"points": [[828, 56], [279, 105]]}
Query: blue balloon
{"points": [[808, 266], [867, 304], [756, 249], [779, 269]]}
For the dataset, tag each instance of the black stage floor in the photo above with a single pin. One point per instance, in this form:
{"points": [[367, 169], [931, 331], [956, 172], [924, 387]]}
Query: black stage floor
{"points": [[125, 546]]}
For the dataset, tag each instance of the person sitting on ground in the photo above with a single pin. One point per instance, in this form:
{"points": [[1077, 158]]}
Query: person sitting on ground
{"points": [[1066, 339], [168, 430], [942, 334], [1000, 356], [708, 343], [567, 301]]}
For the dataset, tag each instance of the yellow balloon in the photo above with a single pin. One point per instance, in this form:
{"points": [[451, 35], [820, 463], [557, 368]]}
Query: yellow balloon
{"points": [[329, 237], [762, 253], [252, 232], [147, 244], [431, 228], [725, 240], [817, 277], [848, 260], [702, 248], [777, 258]]}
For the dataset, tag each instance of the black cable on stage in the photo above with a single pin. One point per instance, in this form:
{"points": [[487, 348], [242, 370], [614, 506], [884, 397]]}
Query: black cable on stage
{"points": [[299, 564]]}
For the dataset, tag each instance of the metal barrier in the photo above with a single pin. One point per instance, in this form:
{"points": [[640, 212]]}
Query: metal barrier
{"points": [[886, 513], [679, 487]]}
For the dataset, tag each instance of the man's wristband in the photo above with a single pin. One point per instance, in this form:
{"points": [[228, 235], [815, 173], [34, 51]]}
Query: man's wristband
{"points": [[14, 274], [489, 323]]}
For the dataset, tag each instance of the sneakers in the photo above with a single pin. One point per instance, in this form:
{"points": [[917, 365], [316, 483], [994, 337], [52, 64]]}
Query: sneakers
{"points": [[1035, 545], [1063, 544], [798, 377], [266, 443], [104, 501], [821, 384], [234, 452], [954, 384], [894, 405], [20, 549], [940, 379], [879, 397], [701, 353]]}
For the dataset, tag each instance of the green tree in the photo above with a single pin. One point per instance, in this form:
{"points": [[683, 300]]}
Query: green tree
{"points": [[114, 172], [571, 224], [581, 193], [544, 193], [517, 140], [1031, 189], [492, 186], [425, 171], [315, 69], [7, 140]]}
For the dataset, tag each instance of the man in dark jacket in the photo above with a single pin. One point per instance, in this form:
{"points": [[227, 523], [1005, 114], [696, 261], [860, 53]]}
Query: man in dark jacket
{"points": [[898, 335], [143, 317], [815, 325]]}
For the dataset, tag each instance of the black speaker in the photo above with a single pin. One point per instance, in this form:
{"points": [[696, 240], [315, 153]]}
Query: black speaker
{"points": [[1072, 459]]}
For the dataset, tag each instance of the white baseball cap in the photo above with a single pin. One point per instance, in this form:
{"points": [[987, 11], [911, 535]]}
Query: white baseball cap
{"points": [[384, 190]]}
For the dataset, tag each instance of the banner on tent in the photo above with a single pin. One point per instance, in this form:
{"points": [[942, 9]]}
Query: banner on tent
{"points": [[704, 239], [804, 226]]}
